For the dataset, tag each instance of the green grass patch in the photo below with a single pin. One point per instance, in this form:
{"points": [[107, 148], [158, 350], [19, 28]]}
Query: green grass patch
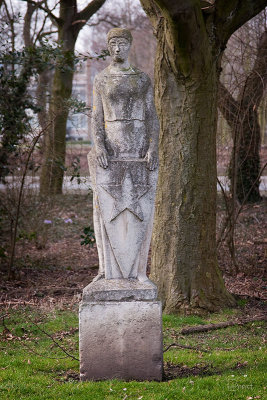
{"points": [[33, 367]]}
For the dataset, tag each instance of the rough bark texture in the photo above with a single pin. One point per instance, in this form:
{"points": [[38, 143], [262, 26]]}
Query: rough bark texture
{"points": [[185, 249], [242, 117], [190, 43], [44, 85], [55, 143], [69, 23]]}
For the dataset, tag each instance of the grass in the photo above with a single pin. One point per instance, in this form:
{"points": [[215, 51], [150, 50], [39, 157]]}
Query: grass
{"points": [[232, 368]]}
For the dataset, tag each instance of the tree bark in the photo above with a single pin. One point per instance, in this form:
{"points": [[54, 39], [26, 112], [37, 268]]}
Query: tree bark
{"points": [[52, 172], [69, 23], [189, 48], [184, 264]]}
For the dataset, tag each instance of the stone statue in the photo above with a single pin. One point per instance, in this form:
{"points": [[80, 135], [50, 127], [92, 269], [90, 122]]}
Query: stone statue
{"points": [[117, 312], [123, 163]]}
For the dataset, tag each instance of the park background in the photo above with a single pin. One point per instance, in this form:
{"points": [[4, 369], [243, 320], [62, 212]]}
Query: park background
{"points": [[47, 249]]}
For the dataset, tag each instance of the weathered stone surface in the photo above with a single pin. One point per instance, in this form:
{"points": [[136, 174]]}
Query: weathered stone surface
{"points": [[123, 163], [121, 340], [120, 319], [123, 216], [119, 290]]}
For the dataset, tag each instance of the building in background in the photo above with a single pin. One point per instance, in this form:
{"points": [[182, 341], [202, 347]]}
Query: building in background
{"points": [[78, 123]]}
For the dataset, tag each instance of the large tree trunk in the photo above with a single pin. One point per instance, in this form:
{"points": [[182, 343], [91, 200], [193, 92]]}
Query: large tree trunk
{"points": [[190, 45], [184, 261], [55, 140]]}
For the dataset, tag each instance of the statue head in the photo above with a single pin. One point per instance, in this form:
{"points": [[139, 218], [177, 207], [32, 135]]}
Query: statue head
{"points": [[119, 43]]}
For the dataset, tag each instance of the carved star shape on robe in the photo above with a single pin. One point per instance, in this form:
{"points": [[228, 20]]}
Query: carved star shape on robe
{"points": [[126, 196]]}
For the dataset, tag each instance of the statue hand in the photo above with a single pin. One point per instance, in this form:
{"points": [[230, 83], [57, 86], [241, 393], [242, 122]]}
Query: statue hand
{"points": [[152, 159], [102, 157]]}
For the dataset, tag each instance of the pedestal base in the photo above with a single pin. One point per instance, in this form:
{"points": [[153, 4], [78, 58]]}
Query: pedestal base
{"points": [[120, 339]]}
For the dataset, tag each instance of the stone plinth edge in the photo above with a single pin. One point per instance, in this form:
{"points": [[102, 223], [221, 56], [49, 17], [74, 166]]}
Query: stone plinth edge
{"points": [[120, 290]]}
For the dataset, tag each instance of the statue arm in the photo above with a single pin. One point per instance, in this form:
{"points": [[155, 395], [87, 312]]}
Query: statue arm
{"points": [[98, 128], [153, 130]]}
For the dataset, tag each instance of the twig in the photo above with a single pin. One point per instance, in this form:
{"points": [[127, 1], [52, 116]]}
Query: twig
{"points": [[220, 325], [3, 319], [51, 337], [248, 193], [220, 238], [223, 236], [23, 343], [34, 351], [182, 346], [14, 236], [57, 20]]}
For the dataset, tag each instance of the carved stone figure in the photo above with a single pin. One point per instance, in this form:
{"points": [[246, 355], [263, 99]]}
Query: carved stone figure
{"points": [[123, 163], [117, 312]]}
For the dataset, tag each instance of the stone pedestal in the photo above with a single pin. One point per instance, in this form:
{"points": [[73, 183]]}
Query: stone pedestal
{"points": [[120, 331]]}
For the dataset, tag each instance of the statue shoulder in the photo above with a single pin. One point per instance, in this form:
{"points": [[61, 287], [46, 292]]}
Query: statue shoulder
{"points": [[146, 81], [98, 79], [101, 78], [145, 78], [141, 73]]}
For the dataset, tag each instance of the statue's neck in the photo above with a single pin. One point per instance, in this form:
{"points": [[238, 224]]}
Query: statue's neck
{"points": [[116, 67]]}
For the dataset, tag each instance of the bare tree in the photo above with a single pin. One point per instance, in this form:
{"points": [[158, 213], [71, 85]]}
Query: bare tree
{"points": [[240, 109]]}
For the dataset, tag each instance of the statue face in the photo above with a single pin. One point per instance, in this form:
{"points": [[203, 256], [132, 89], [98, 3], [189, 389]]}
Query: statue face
{"points": [[119, 49]]}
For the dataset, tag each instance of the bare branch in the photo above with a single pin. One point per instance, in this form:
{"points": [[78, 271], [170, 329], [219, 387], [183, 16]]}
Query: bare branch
{"points": [[12, 28], [83, 16], [53, 340], [257, 80], [248, 193], [43, 34], [232, 14], [39, 5], [220, 325], [183, 346], [25, 344], [27, 24], [103, 21], [228, 106], [14, 233], [232, 219]]}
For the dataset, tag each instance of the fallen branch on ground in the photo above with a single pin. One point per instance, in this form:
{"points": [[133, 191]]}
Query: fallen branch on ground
{"points": [[220, 325]]}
